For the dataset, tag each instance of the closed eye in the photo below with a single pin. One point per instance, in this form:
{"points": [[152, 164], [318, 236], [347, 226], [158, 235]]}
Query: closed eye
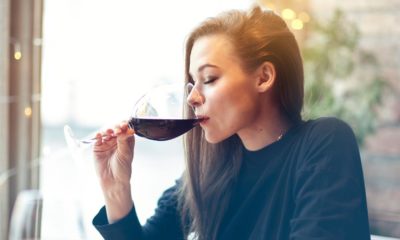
{"points": [[210, 80]]}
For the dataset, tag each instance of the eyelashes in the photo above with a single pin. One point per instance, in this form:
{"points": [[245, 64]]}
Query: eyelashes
{"points": [[205, 81], [210, 80]]}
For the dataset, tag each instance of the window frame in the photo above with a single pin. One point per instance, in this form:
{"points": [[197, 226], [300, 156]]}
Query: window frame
{"points": [[21, 31]]}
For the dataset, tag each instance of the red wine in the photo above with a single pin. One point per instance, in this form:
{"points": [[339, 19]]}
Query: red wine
{"points": [[162, 129]]}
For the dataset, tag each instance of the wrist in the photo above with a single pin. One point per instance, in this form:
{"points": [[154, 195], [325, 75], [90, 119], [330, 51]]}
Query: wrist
{"points": [[114, 186], [118, 201]]}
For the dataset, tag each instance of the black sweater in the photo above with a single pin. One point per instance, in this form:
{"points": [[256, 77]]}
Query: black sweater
{"points": [[308, 185]]}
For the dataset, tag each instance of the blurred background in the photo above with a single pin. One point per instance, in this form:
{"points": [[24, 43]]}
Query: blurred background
{"points": [[86, 62]]}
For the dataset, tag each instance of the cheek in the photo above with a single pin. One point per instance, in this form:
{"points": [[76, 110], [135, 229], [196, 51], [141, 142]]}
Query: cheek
{"points": [[237, 106], [221, 113], [239, 115], [230, 113]]}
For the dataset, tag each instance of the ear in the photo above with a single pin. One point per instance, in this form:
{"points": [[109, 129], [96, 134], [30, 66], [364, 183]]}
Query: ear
{"points": [[266, 76]]}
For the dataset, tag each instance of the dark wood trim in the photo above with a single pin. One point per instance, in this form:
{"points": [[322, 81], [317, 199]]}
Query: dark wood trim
{"points": [[4, 109]]}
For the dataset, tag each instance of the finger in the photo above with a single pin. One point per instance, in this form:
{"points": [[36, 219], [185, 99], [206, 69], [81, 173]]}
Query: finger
{"points": [[131, 131], [126, 132], [125, 129], [117, 130], [121, 128], [126, 144], [109, 132], [99, 139], [124, 125]]}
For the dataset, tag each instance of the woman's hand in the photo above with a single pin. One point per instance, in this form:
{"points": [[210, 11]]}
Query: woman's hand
{"points": [[113, 156]]}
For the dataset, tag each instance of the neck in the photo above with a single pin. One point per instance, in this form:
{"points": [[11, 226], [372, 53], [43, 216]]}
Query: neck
{"points": [[268, 127]]}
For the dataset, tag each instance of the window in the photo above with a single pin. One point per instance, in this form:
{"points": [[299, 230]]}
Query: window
{"points": [[98, 58]]}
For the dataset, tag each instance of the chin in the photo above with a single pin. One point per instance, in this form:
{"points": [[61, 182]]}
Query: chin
{"points": [[214, 139]]}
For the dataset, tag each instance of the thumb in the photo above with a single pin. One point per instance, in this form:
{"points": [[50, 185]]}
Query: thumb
{"points": [[126, 141]]}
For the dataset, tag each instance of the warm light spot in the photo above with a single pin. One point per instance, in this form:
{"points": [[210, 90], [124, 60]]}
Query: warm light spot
{"points": [[17, 55], [28, 111], [303, 16], [288, 14], [297, 24], [267, 4], [270, 6]]}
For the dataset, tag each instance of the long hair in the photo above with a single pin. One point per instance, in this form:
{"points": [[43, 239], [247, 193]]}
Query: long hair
{"points": [[211, 169]]}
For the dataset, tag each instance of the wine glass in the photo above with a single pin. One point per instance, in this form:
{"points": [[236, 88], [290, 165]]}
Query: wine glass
{"points": [[26, 216], [37, 216], [161, 114]]}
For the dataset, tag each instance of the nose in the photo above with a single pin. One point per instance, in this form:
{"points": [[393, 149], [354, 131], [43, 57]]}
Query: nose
{"points": [[194, 99]]}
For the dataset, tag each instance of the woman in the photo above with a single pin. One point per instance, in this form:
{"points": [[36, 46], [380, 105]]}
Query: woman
{"points": [[255, 169]]}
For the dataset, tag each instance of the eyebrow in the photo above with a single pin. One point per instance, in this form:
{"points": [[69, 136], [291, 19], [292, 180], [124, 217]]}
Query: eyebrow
{"points": [[201, 68]]}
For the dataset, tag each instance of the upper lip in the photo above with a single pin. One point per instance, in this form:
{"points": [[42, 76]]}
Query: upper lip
{"points": [[202, 116]]}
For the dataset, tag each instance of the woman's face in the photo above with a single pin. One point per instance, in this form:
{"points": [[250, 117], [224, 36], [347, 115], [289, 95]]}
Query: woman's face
{"points": [[223, 92]]}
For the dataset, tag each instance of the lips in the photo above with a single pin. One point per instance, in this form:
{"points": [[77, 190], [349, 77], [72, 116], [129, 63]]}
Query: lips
{"points": [[203, 117]]}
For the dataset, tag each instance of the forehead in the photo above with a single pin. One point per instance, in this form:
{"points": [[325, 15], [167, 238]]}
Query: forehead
{"points": [[213, 49]]}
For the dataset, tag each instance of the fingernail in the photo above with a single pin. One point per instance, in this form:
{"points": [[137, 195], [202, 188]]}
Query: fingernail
{"points": [[131, 131]]}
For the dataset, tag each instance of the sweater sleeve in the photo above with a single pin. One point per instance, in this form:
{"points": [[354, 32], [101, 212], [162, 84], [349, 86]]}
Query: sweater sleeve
{"points": [[164, 224], [329, 191]]}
